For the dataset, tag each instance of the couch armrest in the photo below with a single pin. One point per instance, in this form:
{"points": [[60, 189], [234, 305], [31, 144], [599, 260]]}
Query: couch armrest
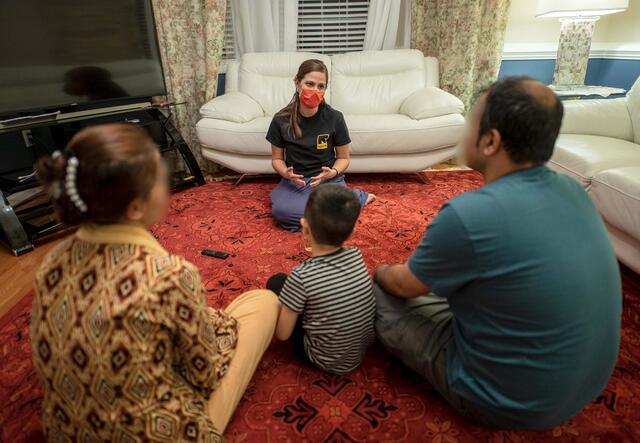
{"points": [[633, 105], [430, 102], [603, 117], [234, 107]]}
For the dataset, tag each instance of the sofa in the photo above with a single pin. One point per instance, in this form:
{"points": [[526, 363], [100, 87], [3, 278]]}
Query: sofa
{"points": [[398, 118], [599, 146]]}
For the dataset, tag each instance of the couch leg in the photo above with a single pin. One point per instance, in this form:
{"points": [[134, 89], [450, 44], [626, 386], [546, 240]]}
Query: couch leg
{"points": [[423, 178], [239, 180]]}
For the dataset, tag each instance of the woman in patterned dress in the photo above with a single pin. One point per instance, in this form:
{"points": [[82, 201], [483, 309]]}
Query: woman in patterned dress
{"points": [[124, 344]]}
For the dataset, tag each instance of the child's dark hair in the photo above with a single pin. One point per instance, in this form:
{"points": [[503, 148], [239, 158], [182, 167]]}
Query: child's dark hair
{"points": [[116, 164], [332, 211]]}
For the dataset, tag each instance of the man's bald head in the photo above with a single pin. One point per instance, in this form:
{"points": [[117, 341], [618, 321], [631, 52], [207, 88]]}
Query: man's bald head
{"points": [[526, 113], [539, 91]]}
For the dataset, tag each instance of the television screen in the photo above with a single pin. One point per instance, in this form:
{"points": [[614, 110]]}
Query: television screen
{"points": [[55, 53]]}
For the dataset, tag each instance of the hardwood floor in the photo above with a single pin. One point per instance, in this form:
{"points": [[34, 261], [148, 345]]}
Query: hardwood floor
{"points": [[17, 273]]}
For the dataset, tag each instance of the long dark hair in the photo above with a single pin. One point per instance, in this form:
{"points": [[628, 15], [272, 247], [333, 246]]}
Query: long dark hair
{"points": [[116, 164], [290, 112]]}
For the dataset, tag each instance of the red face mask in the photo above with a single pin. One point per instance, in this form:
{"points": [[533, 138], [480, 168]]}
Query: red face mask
{"points": [[311, 98]]}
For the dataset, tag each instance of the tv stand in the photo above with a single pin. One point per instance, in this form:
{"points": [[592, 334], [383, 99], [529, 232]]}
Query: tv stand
{"points": [[19, 233], [15, 235], [28, 120]]}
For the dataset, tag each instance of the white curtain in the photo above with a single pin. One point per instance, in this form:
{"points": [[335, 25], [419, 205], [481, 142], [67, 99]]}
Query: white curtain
{"points": [[388, 25], [264, 25]]}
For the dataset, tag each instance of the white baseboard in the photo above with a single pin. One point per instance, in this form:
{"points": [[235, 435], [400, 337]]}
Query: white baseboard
{"points": [[547, 51]]}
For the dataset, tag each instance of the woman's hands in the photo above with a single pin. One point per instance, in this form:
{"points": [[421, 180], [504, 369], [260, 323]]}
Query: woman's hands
{"points": [[326, 174], [296, 178], [280, 166]]}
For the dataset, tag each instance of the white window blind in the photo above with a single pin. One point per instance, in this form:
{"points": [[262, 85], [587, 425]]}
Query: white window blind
{"points": [[331, 26], [228, 51]]}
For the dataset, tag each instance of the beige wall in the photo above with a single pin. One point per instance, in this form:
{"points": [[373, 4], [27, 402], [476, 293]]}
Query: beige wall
{"points": [[524, 30], [623, 27]]}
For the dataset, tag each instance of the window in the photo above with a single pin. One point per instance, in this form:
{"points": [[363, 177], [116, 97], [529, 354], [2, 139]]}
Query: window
{"points": [[324, 26], [228, 50], [331, 26]]}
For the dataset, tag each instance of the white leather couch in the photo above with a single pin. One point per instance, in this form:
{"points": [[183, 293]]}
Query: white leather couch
{"points": [[398, 118], [599, 146]]}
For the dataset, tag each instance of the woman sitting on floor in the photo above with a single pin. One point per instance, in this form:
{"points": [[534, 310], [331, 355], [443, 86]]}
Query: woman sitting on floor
{"points": [[309, 146], [123, 342]]}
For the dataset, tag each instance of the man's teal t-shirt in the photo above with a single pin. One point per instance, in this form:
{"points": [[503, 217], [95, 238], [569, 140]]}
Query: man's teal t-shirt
{"points": [[534, 287]]}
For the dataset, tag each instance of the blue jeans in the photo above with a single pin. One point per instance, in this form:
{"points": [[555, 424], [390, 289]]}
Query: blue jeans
{"points": [[288, 200]]}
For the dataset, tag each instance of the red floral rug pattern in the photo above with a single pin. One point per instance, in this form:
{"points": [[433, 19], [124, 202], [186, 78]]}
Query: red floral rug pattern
{"points": [[290, 401]]}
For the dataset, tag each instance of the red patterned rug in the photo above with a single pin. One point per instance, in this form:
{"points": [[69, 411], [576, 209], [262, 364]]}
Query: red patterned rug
{"points": [[289, 401]]}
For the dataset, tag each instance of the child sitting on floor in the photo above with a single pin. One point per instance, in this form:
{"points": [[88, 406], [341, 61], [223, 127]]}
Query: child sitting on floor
{"points": [[332, 291]]}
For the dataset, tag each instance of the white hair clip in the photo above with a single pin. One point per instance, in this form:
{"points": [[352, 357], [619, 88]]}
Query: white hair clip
{"points": [[70, 184], [55, 189]]}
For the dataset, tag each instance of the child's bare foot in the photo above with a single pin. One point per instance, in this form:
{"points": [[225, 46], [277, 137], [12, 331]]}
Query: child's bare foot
{"points": [[370, 198]]}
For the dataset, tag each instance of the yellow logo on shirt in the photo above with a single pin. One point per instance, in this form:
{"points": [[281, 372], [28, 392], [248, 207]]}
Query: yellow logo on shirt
{"points": [[323, 141]]}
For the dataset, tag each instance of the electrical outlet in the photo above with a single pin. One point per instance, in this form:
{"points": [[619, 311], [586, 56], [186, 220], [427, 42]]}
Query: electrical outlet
{"points": [[27, 136]]}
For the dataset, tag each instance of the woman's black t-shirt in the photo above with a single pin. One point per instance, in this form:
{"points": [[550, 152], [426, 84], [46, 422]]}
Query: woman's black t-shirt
{"points": [[321, 133]]}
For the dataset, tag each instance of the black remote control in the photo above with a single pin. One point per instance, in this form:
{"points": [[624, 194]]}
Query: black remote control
{"points": [[214, 253]]}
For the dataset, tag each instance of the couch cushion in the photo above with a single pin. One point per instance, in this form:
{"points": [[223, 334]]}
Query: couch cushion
{"points": [[241, 138], [430, 102], [375, 82], [633, 103], [400, 134], [233, 106], [268, 77], [370, 134], [584, 156], [603, 117], [616, 193]]}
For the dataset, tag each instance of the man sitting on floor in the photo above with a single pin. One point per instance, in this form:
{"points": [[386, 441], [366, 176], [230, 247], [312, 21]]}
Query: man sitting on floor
{"points": [[525, 327]]}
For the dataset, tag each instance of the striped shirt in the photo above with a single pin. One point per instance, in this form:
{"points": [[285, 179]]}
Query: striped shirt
{"points": [[334, 295]]}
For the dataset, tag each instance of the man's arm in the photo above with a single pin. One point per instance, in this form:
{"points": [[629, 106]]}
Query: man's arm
{"points": [[398, 280], [443, 262]]}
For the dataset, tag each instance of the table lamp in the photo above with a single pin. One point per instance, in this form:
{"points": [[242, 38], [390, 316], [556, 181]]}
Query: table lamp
{"points": [[578, 19]]}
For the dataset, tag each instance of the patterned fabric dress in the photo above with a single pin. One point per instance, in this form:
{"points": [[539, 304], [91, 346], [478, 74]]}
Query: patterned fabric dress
{"points": [[123, 342]]}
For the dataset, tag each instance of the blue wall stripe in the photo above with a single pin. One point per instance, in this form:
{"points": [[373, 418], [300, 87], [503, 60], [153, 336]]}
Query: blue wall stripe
{"points": [[539, 69], [616, 73], [221, 83]]}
